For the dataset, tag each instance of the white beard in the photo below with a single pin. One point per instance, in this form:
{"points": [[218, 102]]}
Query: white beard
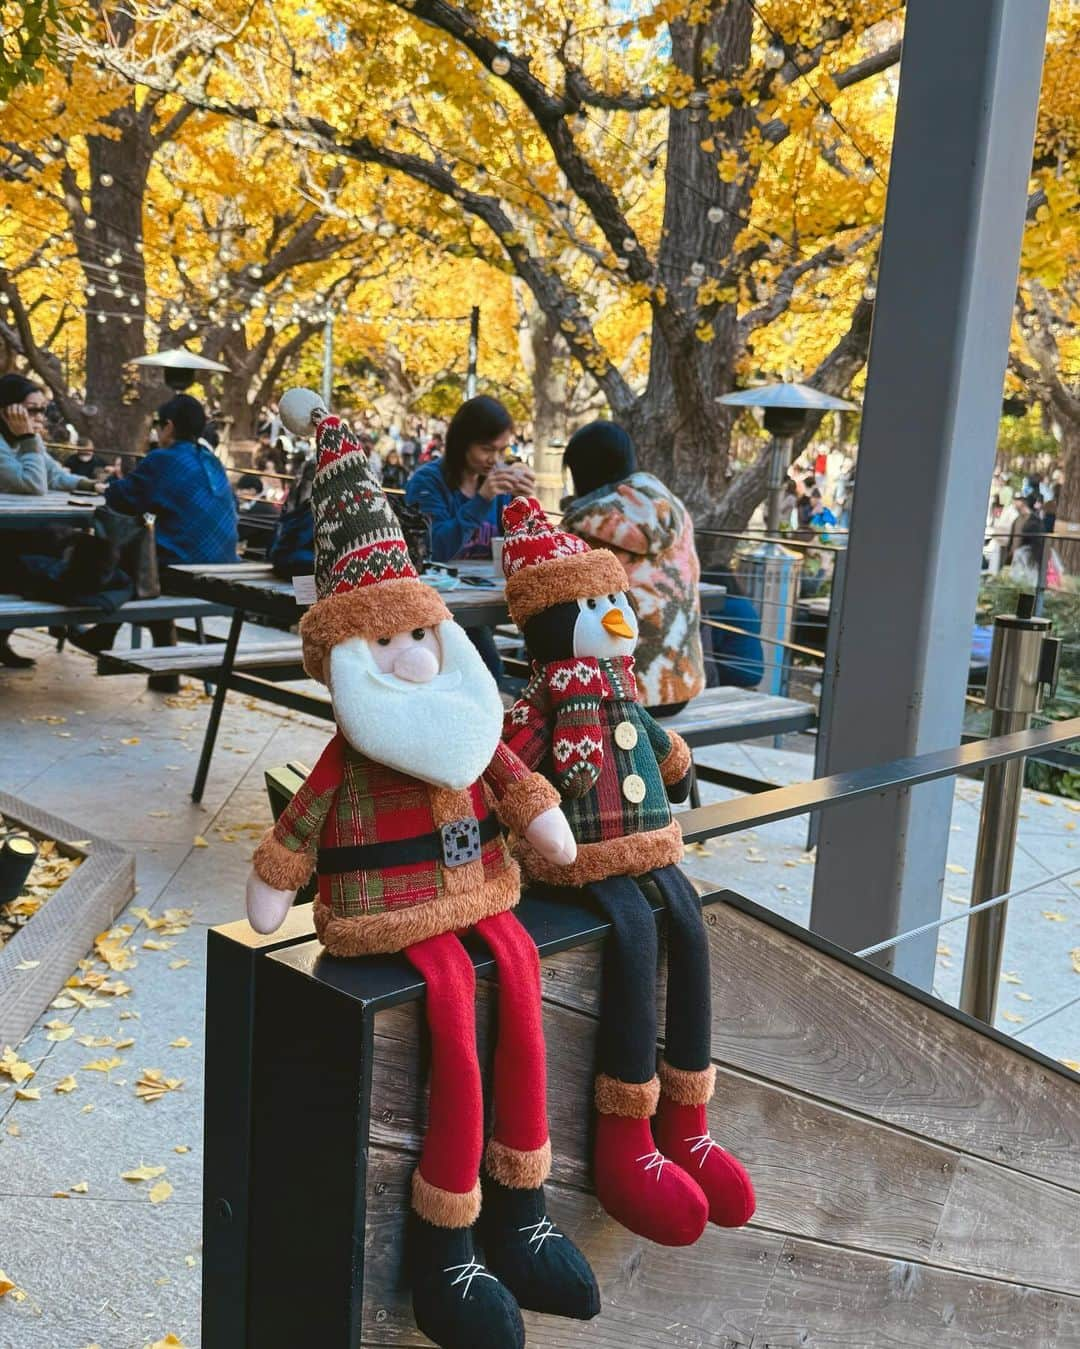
{"points": [[444, 732]]}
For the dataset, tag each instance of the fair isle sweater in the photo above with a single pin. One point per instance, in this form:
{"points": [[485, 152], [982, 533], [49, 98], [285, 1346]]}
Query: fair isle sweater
{"points": [[650, 531]]}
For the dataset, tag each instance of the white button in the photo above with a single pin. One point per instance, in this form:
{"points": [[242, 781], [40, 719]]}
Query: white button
{"points": [[633, 789], [626, 735]]}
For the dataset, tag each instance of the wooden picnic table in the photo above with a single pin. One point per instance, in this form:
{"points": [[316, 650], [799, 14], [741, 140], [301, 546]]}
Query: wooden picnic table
{"points": [[251, 588], [19, 511]]}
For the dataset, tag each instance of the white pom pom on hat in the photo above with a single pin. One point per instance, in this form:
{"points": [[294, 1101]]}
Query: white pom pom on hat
{"points": [[298, 408]]}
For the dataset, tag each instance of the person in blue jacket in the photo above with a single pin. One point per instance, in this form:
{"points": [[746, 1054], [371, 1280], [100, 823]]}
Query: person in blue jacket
{"points": [[463, 494], [183, 485], [733, 658]]}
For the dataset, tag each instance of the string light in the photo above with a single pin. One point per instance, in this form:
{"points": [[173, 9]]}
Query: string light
{"points": [[500, 65], [715, 214], [775, 55]]}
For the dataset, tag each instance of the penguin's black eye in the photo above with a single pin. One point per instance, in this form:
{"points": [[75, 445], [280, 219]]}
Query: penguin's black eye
{"points": [[384, 641], [418, 634], [591, 604], [611, 599]]}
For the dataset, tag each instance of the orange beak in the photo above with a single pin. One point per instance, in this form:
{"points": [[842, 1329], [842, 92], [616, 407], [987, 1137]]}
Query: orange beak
{"points": [[614, 623]]}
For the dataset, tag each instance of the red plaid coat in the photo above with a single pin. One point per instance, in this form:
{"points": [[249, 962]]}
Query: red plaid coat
{"points": [[350, 800]]}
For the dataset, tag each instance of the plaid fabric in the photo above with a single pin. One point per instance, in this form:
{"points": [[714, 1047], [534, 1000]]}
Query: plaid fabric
{"points": [[348, 799], [603, 812], [187, 491]]}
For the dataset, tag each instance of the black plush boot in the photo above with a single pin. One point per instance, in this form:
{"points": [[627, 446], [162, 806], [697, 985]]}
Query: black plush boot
{"points": [[456, 1301], [11, 659], [539, 1264]]}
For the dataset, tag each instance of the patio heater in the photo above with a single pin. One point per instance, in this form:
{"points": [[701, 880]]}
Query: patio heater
{"points": [[179, 368], [771, 572]]}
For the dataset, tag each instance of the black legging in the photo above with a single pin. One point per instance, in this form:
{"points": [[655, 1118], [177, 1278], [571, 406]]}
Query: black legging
{"points": [[627, 1039]]}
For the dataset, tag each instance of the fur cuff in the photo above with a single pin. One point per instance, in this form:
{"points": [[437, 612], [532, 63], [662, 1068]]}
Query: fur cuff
{"points": [[631, 855], [280, 866], [678, 762], [533, 589], [370, 611], [515, 1169], [444, 1208], [687, 1088], [523, 801], [631, 1100]]}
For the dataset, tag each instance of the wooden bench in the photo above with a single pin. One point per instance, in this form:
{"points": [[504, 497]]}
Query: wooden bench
{"points": [[17, 612], [280, 658], [946, 1213]]}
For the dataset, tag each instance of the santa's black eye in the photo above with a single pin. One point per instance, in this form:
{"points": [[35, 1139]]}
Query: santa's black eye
{"points": [[384, 641], [591, 604], [418, 634]]}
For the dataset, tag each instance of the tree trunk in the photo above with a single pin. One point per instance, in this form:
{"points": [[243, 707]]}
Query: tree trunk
{"points": [[1069, 501], [545, 361]]}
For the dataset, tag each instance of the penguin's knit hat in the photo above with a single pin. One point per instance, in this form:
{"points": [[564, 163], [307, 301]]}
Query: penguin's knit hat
{"points": [[546, 566], [366, 583]]}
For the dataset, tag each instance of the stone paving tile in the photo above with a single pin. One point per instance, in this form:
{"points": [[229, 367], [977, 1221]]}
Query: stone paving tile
{"points": [[115, 1274]]}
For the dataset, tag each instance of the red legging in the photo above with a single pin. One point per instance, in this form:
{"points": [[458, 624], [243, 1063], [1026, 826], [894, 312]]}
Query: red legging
{"points": [[454, 1141]]}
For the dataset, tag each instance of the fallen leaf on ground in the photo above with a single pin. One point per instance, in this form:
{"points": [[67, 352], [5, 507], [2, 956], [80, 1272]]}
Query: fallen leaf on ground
{"points": [[103, 1065], [178, 964], [28, 1093], [131, 740], [1071, 1063], [181, 1148], [182, 1042], [1011, 1016], [956, 869], [12, 1066], [60, 1194], [152, 944], [1074, 956], [1052, 916], [95, 1041], [943, 950], [199, 842], [124, 1044], [60, 1033], [28, 964], [160, 1192], [1024, 997], [142, 1172], [1045, 800], [1010, 977], [6, 1284], [14, 1131], [153, 1085], [169, 1342], [80, 1187], [66, 1084]]}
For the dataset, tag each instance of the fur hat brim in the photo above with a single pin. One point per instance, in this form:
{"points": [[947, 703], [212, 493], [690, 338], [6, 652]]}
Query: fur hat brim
{"points": [[585, 576], [380, 610]]}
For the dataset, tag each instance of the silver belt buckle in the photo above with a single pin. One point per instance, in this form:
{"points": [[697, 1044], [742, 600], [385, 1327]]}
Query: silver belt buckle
{"points": [[460, 842]]}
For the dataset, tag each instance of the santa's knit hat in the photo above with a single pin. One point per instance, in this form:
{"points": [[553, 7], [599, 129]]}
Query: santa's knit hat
{"points": [[366, 583], [545, 566]]}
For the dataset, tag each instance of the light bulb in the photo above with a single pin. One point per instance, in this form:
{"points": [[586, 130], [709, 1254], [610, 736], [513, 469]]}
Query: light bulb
{"points": [[775, 55], [255, 272], [193, 326], [118, 291], [715, 214], [115, 258], [869, 291], [127, 320], [629, 244], [5, 298], [133, 300], [234, 326], [101, 318], [822, 119], [501, 64], [866, 173], [776, 245], [91, 223], [579, 123], [106, 180], [697, 268], [91, 290]]}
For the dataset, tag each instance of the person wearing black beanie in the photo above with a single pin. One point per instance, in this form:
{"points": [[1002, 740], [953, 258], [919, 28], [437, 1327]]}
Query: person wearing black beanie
{"points": [[649, 530], [26, 466]]}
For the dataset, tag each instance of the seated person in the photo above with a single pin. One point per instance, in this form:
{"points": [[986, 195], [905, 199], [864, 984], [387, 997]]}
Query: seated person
{"points": [[650, 531], [86, 461], [733, 659], [256, 517], [185, 488], [26, 466]]}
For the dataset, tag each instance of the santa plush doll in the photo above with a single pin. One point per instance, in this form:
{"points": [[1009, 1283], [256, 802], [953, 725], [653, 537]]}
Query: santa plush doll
{"points": [[401, 820], [658, 1169]]}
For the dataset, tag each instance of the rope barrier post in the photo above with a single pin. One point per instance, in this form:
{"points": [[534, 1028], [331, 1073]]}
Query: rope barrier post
{"points": [[1023, 662], [828, 681]]}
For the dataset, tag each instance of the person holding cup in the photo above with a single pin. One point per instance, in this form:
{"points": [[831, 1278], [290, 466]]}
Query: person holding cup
{"points": [[464, 493]]}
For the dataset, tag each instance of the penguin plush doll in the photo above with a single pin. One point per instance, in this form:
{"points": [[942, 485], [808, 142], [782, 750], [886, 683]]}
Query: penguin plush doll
{"points": [[658, 1169]]}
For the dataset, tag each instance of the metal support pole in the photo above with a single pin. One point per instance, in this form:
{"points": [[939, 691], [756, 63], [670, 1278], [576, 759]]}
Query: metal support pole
{"points": [[958, 184], [828, 682], [778, 467], [474, 351], [1023, 659], [328, 362]]}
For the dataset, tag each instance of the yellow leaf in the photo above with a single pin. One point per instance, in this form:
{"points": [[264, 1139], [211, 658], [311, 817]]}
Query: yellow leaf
{"points": [[199, 842], [1011, 1016], [80, 1187], [14, 1131], [1071, 1063], [124, 1044], [956, 869], [1010, 977], [160, 1192], [169, 1342], [103, 1065], [11, 1066], [28, 1093], [1045, 800], [131, 740], [1052, 916], [152, 944], [181, 1148], [943, 950], [1024, 997], [178, 964], [182, 1042], [28, 964], [142, 1172], [66, 1084], [61, 1033], [6, 1284]]}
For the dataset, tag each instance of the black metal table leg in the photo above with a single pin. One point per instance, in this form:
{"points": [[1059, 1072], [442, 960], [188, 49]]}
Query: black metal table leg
{"points": [[214, 720]]}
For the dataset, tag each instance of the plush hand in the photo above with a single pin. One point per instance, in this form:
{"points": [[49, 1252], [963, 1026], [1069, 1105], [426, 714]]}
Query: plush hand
{"points": [[266, 907], [677, 792], [550, 835]]}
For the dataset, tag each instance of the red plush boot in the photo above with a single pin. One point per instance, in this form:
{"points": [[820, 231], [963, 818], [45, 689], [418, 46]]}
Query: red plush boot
{"points": [[681, 1130], [636, 1184]]}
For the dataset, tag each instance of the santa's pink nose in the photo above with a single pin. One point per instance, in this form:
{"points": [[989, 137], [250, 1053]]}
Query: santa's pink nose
{"points": [[417, 664]]}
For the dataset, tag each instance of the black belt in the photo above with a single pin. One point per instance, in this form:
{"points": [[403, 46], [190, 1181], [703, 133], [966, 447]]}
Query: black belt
{"points": [[453, 844]]}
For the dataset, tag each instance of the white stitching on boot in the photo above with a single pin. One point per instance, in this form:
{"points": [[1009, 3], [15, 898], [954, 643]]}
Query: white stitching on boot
{"points": [[472, 1269], [540, 1232], [703, 1143], [654, 1161]]}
